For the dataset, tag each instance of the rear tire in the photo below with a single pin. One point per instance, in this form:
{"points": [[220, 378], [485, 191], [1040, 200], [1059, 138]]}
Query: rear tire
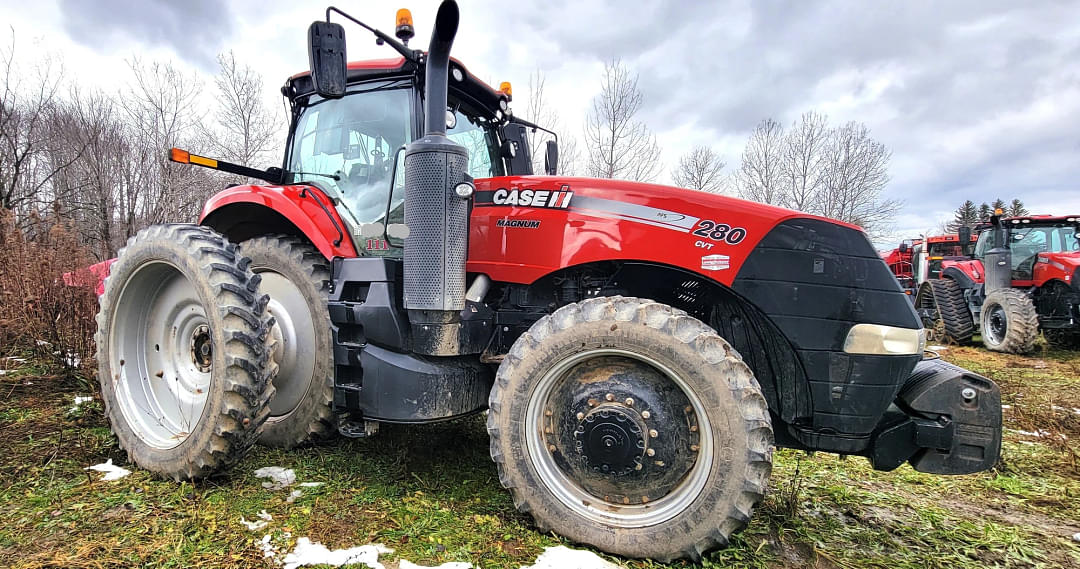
{"points": [[630, 426], [182, 351], [1009, 322], [942, 306], [296, 277]]}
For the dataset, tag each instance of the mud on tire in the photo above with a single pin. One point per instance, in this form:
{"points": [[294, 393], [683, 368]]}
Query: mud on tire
{"points": [[627, 347], [1009, 322], [182, 351], [296, 277]]}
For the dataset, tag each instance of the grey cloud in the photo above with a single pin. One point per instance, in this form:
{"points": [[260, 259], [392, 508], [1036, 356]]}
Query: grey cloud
{"points": [[194, 28]]}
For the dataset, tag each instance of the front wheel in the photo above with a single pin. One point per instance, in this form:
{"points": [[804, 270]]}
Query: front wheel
{"points": [[1009, 322], [630, 426]]}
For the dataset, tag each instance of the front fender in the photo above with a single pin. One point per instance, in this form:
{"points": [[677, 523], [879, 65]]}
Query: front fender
{"points": [[242, 212]]}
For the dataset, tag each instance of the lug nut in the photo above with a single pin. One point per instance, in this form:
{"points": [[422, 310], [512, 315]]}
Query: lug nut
{"points": [[626, 500], [592, 402], [645, 414], [637, 466], [547, 413], [610, 397], [653, 433], [651, 452], [547, 430], [629, 402], [551, 448], [580, 416], [693, 428], [694, 448], [644, 499], [688, 409], [659, 463], [968, 394]]}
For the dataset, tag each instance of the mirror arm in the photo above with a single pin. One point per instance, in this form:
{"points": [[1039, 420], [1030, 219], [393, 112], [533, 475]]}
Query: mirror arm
{"points": [[390, 197], [409, 54], [533, 126]]}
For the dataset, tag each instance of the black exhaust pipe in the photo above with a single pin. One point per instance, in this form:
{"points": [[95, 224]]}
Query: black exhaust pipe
{"points": [[436, 217]]}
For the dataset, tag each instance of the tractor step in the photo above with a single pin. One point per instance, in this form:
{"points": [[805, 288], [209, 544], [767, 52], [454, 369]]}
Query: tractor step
{"points": [[358, 429]]}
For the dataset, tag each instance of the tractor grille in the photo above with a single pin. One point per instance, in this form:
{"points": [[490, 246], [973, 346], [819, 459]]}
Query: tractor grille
{"points": [[438, 236]]}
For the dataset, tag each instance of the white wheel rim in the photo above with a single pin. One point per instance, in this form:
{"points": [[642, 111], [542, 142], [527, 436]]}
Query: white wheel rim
{"points": [[589, 506], [159, 326]]}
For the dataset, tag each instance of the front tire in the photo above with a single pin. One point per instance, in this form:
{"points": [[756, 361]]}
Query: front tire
{"points": [[182, 351], [630, 426], [1009, 322], [297, 278]]}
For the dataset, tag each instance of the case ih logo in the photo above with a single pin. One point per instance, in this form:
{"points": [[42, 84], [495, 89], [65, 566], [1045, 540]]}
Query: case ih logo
{"points": [[527, 197], [715, 263]]}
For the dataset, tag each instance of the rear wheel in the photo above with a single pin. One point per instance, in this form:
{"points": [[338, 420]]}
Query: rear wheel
{"points": [[944, 310], [296, 278], [1009, 322], [182, 351], [632, 427]]}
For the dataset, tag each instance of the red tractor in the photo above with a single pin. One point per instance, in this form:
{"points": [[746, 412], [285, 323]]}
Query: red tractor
{"points": [[639, 348], [917, 260], [1022, 277]]}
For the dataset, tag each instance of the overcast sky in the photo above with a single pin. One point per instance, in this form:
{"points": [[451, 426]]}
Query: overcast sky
{"points": [[976, 100]]}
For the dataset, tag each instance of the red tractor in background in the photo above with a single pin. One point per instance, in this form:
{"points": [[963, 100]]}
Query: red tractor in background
{"points": [[1023, 277], [917, 260], [639, 348]]}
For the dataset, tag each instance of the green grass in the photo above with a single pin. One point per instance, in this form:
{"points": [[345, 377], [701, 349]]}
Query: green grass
{"points": [[432, 494]]}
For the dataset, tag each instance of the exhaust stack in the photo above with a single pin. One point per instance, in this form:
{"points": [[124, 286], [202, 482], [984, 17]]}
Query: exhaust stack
{"points": [[436, 216]]}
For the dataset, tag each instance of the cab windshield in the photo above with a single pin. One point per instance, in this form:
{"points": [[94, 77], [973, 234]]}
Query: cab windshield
{"points": [[355, 139]]}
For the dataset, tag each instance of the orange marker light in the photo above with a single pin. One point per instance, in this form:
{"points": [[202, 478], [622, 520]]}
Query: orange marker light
{"points": [[403, 25], [181, 156], [505, 89], [999, 211]]}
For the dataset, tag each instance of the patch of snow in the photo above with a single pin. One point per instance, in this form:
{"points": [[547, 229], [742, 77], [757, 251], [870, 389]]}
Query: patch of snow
{"points": [[43, 343], [3, 372], [293, 496], [308, 553], [311, 484], [937, 348], [15, 359], [112, 472], [268, 549], [252, 526], [563, 557], [1006, 407], [406, 564], [1076, 537], [79, 400], [279, 477], [265, 516]]}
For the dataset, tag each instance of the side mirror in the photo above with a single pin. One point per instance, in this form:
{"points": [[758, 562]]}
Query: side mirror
{"points": [[903, 248], [551, 158], [326, 56], [515, 149]]}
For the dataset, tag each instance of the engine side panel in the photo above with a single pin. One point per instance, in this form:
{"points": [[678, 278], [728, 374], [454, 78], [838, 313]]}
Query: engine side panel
{"points": [[524, 227]]}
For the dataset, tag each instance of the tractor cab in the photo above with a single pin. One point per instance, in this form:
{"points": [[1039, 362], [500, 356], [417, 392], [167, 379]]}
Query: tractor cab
{"points": [[351, 146], [1031, 240]]}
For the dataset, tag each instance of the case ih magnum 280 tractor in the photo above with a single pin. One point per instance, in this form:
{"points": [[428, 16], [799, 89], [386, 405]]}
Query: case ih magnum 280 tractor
{"points": [[1021, 278], [639, 348]]}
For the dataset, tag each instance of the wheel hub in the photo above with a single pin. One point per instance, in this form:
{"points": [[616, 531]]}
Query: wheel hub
{"points": [[202, 348], [611, 439]]}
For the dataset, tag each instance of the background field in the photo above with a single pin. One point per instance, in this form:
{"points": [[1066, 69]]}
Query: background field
{"points": [[432, 493]]}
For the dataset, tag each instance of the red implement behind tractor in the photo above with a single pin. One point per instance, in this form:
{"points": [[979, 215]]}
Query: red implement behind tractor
{"points": [[1021, 278], [639, 348]]}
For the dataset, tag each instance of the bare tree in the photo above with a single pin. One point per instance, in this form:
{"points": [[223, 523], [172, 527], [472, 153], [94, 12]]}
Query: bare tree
{"points": [[538, 111], [804, 161], [161, 111], [618, 145], [29, 149], [855, 179], [700, 169], [245, 131], [760, 176]]}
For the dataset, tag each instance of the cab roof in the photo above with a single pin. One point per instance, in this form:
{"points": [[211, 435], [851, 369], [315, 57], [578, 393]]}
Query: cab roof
{"points": [[482, 95]]}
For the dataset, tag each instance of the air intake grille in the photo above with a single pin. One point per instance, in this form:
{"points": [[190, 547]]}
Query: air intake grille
{"points": [[438, 231]]}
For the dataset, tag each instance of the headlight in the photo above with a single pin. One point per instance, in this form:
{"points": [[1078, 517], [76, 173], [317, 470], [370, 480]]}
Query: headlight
{"points": [[884, 340]]}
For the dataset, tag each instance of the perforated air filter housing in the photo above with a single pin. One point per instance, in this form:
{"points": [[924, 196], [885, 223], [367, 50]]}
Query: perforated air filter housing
{"points": [[437, 219]]}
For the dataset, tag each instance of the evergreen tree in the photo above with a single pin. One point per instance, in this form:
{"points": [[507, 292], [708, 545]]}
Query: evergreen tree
{"points": [[1000, 204], [965, 215], [985, 211], [1017, 209]]}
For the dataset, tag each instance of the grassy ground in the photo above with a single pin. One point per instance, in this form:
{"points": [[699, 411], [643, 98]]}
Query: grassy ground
{"points": [[432, 494]]}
